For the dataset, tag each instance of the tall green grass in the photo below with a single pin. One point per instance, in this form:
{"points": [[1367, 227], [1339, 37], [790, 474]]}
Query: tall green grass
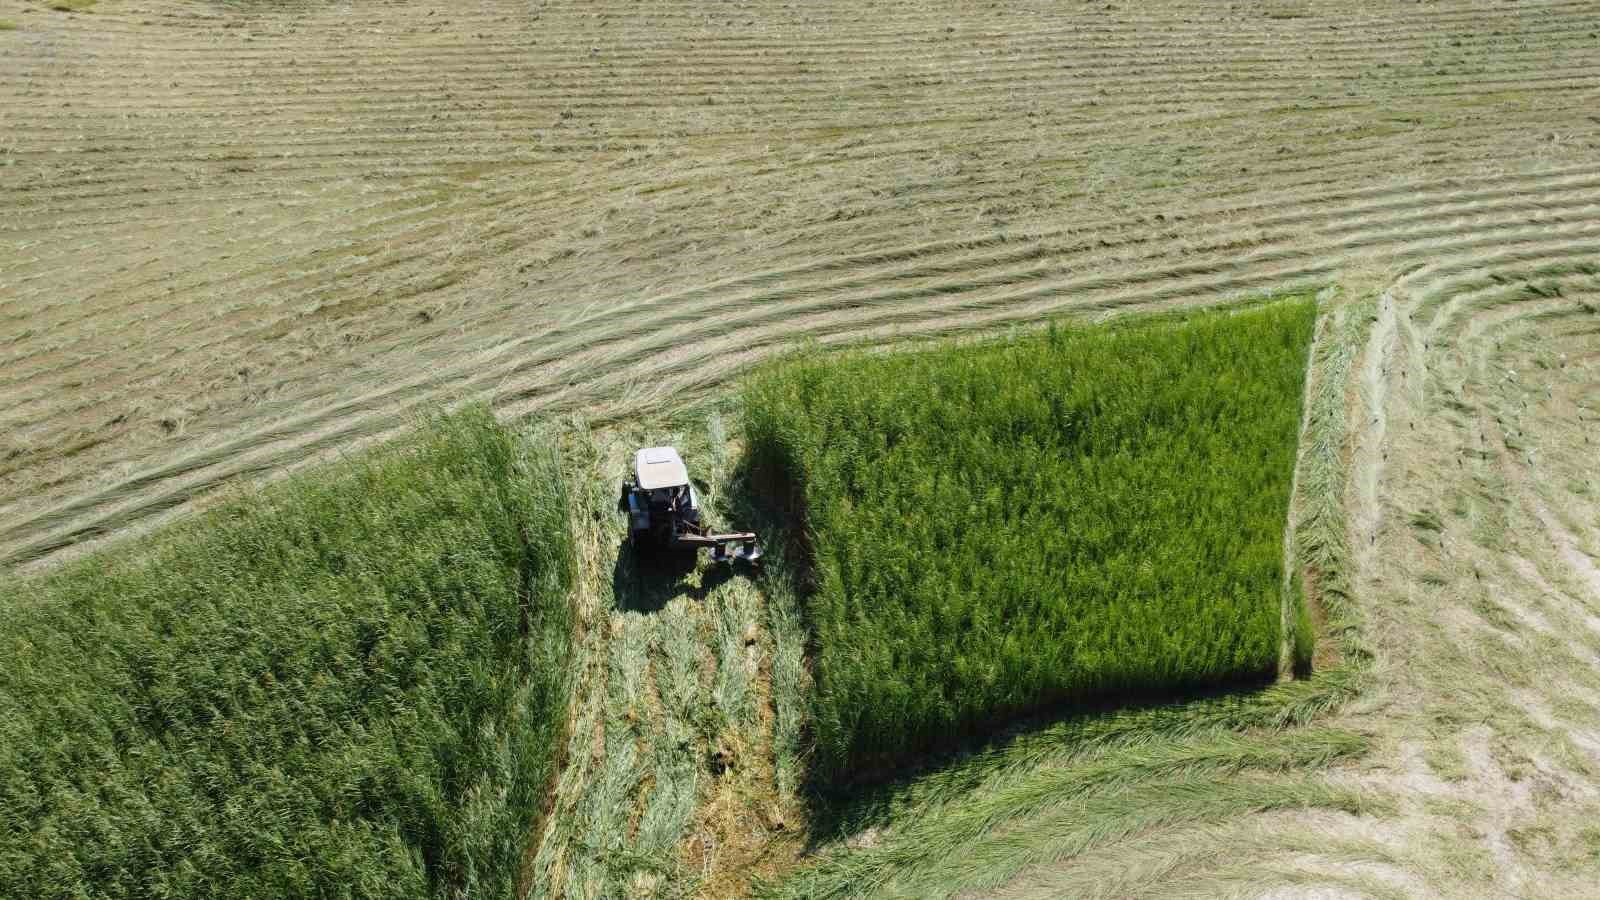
{"points": [[1072, 516], [349, 685]]}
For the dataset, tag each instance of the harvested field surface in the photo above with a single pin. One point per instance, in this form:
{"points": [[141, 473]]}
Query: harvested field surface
{"points": [[1075, 516], [238, 238], [354, 685], [683, 769]]}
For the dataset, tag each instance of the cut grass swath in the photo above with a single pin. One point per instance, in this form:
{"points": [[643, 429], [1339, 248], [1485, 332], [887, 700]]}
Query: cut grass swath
{"points": [[1002, 526], [353, 684], [1055, 812]]}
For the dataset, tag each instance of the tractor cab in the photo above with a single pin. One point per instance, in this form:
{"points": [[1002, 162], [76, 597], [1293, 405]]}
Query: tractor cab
{"points": [[660, 491]]}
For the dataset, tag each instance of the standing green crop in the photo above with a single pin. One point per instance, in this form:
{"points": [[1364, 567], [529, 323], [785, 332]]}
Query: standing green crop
{"points": [[1001, 526], [350, 685]]}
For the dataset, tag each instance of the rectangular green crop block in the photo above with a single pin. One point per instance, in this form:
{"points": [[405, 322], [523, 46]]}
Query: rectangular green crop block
{"points": [[1082, 514]]}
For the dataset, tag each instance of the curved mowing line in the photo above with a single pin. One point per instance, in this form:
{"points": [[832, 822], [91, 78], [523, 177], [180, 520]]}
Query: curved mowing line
{"points": [[1305, 215], [1027, 252], [1452, 282], [402, 202], [942, 268], [1464, 311], [239, 456], [960, 285]]}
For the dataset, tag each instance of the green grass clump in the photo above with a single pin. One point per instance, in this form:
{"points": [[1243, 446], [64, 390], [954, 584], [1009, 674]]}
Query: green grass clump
{"points": [[353, 684], [1303, 634], [1001, 526]]}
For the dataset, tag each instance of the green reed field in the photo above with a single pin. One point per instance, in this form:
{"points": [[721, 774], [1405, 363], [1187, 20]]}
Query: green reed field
{"points": [[349, 685], [996, 527]]}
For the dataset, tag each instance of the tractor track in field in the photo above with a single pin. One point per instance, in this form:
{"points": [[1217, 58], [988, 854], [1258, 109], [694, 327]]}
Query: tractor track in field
{"points": [[1371, 451]]}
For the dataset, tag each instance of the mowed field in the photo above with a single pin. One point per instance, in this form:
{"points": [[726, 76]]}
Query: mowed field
{"points": [[240, 238], [240, 235]]}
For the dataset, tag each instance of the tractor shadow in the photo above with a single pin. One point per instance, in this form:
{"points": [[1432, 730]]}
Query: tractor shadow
{"points": [[646, 579]]}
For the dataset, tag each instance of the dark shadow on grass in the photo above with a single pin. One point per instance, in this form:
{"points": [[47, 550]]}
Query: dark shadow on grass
{"points": [[761, 501], [645, 579], [711, 579], [873, 794]]}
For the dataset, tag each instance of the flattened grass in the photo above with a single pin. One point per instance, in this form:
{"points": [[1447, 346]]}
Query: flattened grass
{"points": [[352, 684], [1003, 526]]}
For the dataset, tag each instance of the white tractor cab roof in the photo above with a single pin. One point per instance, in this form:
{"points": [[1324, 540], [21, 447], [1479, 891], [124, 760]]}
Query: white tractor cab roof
{"points": [[659, 467]]}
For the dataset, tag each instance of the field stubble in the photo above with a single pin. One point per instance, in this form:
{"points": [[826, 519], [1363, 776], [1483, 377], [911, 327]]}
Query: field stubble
{"points": [[212, 275]]}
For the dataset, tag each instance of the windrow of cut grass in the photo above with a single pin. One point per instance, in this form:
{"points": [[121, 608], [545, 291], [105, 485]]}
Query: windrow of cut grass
{"points": [[1078, 515], [353, 684], [499, 202]]}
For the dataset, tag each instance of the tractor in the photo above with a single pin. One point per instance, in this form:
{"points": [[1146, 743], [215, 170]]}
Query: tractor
{"points": [[663, 510]]}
